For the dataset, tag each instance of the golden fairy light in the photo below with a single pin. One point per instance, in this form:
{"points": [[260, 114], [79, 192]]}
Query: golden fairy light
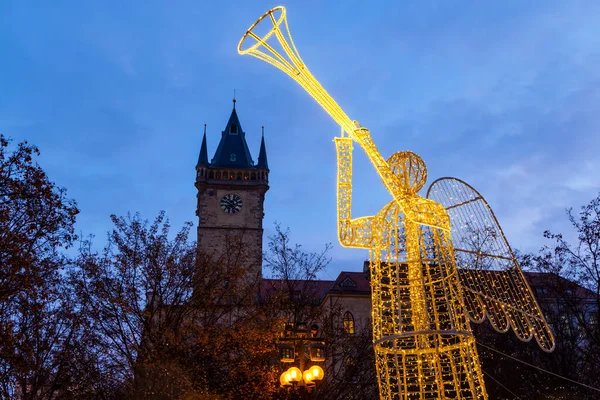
{"points": [[421, 301]]}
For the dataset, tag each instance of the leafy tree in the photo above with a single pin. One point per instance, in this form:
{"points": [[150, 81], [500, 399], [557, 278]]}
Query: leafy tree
{"points": [[169, 322], [135, 295], [574, 268], [38, 323]]}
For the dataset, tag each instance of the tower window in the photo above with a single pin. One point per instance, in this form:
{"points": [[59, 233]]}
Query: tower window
{"points": [[349, 323], [232, 157], [233, 129]]}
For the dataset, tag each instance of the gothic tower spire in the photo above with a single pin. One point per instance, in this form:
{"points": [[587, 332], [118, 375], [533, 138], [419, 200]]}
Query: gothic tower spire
{"points": [[233, 149], [262, 154], [203, 158]]}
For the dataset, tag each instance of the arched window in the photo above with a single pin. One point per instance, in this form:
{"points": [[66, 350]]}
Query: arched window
{"points": [[232, 157], [233, 129], [349, 323]]}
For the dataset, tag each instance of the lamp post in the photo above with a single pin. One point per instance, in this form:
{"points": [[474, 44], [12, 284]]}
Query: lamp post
{"points": [[304, 347]]}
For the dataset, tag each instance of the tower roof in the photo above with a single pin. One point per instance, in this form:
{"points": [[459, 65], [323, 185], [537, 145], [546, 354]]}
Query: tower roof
{"points": [[233, 149], [203, 157], [262, 154]]}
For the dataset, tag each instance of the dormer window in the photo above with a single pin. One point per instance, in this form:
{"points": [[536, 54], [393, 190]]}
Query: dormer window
{"points": [[233, 129], [232, 157], [348, 282]]}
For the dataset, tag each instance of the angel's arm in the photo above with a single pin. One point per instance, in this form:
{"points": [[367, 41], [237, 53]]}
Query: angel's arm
{"points": [[356, 232]]}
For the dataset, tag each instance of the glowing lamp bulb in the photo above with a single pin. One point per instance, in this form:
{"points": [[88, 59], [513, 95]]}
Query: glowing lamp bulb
{"points": [[283, 380], [316, 373], [295, 374], [307, 375]]}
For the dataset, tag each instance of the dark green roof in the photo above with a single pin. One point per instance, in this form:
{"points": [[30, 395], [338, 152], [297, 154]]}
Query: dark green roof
{"points": [[233, 149]]}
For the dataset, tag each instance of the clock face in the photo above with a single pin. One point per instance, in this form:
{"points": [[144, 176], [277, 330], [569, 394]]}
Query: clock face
{"points": [[231, 203]]}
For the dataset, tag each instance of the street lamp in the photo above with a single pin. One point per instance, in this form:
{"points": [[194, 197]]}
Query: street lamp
{"points": [[309, 378], [300, 343]]}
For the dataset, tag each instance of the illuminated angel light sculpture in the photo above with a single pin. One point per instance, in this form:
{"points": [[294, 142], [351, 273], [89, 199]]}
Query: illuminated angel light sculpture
{"points": [[421, 300]]}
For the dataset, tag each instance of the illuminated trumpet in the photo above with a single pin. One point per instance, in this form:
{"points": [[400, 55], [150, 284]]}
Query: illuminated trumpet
{"points": [[421, 302], [293, 66]]}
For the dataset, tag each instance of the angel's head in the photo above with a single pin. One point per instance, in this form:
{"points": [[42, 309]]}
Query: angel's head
{"points": [[409, 169]]}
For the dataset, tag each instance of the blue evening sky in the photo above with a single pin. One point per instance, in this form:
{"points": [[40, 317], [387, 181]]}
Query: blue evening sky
{"points": [[502, 94]]}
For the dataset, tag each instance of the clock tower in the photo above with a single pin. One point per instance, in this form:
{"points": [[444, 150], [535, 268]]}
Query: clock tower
{"points": [[231, 193]]}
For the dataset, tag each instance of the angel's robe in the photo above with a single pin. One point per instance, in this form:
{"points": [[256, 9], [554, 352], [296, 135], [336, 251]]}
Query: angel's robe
{"points": [[423, 342], [422, 337]]}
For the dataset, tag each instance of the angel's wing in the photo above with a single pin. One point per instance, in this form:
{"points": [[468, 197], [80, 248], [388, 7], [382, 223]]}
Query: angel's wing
{"points": [[493, 282]]}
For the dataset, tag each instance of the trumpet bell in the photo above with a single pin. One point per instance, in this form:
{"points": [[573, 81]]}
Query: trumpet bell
{"points": [[282, 53], [277, 15]]}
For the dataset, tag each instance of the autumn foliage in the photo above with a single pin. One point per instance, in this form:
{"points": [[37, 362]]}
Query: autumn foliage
{"points": [[37, 318]]}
